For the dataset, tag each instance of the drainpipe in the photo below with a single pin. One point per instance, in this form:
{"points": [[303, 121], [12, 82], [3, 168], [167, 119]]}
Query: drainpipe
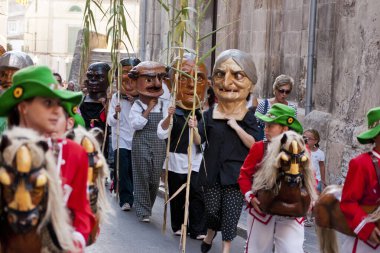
{"points": [[310, 57], [143, 15], [214, 27]]}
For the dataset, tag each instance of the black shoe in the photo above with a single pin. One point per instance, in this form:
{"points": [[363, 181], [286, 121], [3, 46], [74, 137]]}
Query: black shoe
{"points": [[205, 247]]}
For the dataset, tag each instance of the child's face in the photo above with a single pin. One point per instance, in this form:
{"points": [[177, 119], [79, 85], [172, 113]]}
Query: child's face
{"points": [[311, 140], [41, 114], [272, 130], [64, 124]]}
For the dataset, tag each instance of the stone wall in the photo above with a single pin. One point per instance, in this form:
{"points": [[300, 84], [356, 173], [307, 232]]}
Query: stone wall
{"points": [[346, 69]]}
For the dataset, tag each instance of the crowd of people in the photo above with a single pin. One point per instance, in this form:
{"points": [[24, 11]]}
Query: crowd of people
{"points": [[160, 116]]}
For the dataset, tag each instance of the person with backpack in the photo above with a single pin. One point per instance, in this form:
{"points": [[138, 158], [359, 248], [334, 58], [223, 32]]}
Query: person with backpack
{"points": [[282, 87]]}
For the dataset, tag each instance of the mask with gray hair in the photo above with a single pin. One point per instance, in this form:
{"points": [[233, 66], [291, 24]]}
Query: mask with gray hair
{"points": [[14, 59], [243, 59]]}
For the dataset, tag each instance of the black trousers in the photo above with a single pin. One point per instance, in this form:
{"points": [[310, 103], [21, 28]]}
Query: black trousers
{"points": [[125, 179], [196, 224]]}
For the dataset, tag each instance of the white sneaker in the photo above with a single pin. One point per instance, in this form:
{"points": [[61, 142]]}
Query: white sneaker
{"points": [[178, 233], [126, 207]]}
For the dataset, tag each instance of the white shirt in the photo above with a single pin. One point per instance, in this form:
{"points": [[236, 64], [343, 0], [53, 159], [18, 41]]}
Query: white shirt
{"points": [[126, 130], [138, 121], [316, 157], [178, 162]]}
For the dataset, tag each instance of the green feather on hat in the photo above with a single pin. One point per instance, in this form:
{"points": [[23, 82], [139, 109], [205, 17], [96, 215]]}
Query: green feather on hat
{"points": [[34, 81], [373, 117], [283, 115]]}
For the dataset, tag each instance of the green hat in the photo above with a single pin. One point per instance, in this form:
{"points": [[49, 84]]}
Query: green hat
{"points": [[373, 116], [283, 115], [34, 81], [72, 110]]}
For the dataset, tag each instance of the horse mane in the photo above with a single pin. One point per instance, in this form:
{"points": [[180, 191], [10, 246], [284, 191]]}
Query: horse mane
{"points": [[77, 134], [266, 176], [56, 212]]}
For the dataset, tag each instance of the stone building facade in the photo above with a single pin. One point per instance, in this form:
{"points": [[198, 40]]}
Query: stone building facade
{"points": [[275, 32]]}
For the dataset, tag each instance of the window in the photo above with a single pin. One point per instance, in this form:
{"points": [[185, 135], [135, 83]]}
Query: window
{"points": [[12, 27]]}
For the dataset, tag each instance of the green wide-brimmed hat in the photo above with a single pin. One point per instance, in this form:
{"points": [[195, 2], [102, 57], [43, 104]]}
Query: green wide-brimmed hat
{"points": [[283, 115], [373, 117], [34, 81], [72, 110]]}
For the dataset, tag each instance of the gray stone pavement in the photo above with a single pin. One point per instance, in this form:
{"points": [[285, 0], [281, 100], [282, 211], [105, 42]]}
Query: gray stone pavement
{"points": [[125, 234], [310, 240]]}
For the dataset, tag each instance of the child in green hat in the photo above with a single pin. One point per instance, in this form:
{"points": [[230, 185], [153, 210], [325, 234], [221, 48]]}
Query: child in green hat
{"points": [[362, 187], [34, 101], [279, 119]]}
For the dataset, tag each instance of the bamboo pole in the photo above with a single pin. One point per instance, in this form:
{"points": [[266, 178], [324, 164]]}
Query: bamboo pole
{"points": [[119, 80], [191, 140], [173, 102]]}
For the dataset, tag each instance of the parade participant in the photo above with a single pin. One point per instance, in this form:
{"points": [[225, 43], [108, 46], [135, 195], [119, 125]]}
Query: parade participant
{"points": [[71, 86], [33, 101], [362, 188], [10, 62], [73, 117], [2, 50], [93, 107], [264, 230], [59, 78], [125, 135], [148, 152], [229, 130], [179, 143]]}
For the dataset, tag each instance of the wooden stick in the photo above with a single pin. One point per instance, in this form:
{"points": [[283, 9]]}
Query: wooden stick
{"points": [[174, 94], [190, 149], [119, 80]]}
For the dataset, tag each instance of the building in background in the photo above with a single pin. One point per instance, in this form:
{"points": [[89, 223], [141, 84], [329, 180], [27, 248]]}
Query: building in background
{"points": [[47, 29], [275, 33], [3, 22]]}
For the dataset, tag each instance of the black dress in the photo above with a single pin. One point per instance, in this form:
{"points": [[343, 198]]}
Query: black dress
{"points": [[224, 153], [223, 157]]}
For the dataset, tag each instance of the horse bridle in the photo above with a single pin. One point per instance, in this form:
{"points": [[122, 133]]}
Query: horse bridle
{"points": [[94, 191], [91, 158], [24, 219], [290, 179]]}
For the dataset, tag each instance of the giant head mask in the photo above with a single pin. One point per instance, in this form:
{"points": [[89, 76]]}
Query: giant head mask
{"points": [[233, 77], [148, 77], [127, 86], [10, 62], [97, 79], [185, 92]]}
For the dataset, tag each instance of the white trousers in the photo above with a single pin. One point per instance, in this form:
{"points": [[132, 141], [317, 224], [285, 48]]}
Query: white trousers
{"points": [[354, 245], [264, 232]]}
